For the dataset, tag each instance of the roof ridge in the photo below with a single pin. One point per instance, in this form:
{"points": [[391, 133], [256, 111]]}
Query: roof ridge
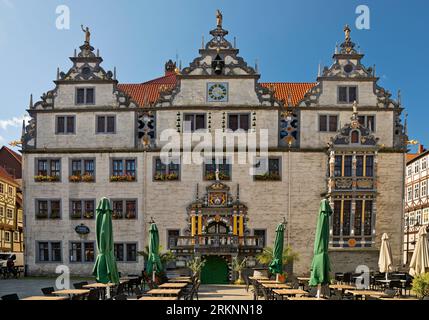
{"points": [[15, 154]]}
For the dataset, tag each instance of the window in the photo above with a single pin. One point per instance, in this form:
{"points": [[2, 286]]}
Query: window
{"points": [[65, 125], [268, 169], [214, 164], [173, 236], [16, 236], [347, 94], [367, 121], [49, 251], [82, 170], [106, 124], [123, 170], [7, 236], [424, 163], [328, 123], [124, 208], [419, 217], [416, 191], [416, 167], [1, 188], [9, 213], [364, 166], [194, 122], [1, 211], [424, 188], [410, 193], [355, 136], [165, 172], [409, 171], [343, 166], [85, 96], [82, 209], [10, 190], [82, 251], [260, 235], [48, 209], [425, 216], [125, 252], [239, 122], [119, 251], [48, 170]]}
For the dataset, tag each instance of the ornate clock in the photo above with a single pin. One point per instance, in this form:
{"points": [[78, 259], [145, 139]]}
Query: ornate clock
{"points": [[217, 92]]}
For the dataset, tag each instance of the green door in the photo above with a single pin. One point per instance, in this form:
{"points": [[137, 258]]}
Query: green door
{"points": [[215, 271]]}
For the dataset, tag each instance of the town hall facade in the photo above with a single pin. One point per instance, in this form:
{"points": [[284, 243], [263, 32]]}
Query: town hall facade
{"points": [[339, 137]]}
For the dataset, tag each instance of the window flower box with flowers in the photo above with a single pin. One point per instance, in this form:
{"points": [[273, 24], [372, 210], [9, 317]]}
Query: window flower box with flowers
{"points": [[55, 215], [76, 215], [268, 177], [130, 215], [88, 215], [210, 176], [84, 178], [42, 215], [41, 178], [123, 178], [166, 177], [116, 215]]}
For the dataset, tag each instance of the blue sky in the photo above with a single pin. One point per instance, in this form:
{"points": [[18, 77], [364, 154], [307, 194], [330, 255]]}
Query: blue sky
{"points": [[288, 38]]}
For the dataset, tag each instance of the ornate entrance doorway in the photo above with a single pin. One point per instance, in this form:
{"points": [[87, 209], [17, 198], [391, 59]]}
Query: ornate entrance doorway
{"points": [[215, 270]]}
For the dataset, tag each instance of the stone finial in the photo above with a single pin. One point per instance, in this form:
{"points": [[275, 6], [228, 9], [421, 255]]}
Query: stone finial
{"points": [[31, 102]]}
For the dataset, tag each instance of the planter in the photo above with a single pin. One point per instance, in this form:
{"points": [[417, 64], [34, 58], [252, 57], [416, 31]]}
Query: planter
{"points": [[166, 177], [122, 179], [268, 177], [261, 273], [76, 216], [46, 178], [88, 215]]}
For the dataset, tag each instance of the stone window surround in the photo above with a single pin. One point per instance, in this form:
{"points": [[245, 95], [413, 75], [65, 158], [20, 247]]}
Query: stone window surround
{"points": [[194, 115], [124, 252], [83, 165], [347, 86], [155, 158], [105, 124], [82, 249], [65, 116], [85, 97], [228, 161], [36, 166], [265, 230], [279, 158], [123, 159], [168, 236], [327, 121], [71, 200], [124, 207], [373, 130], [49, 252], [49, 208], [249, 114]]}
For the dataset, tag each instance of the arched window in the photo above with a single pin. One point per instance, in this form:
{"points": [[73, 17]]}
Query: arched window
{"points": [[355, 136]]}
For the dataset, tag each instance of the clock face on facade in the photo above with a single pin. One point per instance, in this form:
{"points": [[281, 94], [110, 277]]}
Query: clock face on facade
{"points": [[217, 92]]}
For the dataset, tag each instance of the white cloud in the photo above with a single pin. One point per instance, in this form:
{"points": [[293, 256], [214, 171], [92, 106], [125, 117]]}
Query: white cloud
{"points": [[1, 139], [15, 122]]}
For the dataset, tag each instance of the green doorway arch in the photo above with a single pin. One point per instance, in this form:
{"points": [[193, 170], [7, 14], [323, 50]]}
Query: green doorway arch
{"points": [[215, 271]]}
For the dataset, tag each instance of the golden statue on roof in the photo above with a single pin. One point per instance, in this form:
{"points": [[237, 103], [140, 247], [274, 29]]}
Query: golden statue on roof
{"points": [[87, 34], [219, 18], [347, 32]]}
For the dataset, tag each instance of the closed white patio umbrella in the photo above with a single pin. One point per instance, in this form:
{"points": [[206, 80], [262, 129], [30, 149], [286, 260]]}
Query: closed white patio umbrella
{"points": [[385, 261], [420, 261]]}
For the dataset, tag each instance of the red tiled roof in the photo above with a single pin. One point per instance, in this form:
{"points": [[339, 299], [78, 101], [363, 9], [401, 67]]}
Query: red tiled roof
{"points": [[411, 156], [14, 154], [6, 177], [148, 92]]}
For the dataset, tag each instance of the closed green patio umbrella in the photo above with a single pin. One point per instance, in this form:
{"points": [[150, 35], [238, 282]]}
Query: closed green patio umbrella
{"points": [[153, 260], [320, 266], [105, 269], [276, 265]]}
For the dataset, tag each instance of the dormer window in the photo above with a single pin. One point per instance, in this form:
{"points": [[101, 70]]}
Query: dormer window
{"points": [[347, 94], [85, 96], [355, 136]]}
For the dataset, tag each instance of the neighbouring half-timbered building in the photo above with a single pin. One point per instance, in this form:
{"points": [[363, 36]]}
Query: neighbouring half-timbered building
{"points": [[338, 137]]}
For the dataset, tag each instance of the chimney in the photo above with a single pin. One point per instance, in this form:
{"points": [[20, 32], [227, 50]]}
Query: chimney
{"points": [[170, 67], [421, 149]]}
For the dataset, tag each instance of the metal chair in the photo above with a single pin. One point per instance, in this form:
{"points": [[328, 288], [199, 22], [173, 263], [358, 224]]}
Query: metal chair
{"points": [[48, 291], [93, 294], [120, 297], [10, 297]]}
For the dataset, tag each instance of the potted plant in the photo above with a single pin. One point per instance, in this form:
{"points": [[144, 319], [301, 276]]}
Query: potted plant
{"points": [[88, 215], [75, 178], [165, 257], [87, 178], [116, 215], [421, 285], [266, 257], [238, 266], [196, 265]]}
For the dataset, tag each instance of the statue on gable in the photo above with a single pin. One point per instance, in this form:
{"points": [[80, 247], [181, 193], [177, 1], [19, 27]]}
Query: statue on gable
{"points": [[87, 34], [219, 18], [217, 175]]}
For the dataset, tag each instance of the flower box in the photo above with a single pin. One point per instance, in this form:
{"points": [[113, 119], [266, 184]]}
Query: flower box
{"points": [[88, 178], [116, 215], [130, 215], [75, 179], [55, 215], [46, 178], [76, 216], [88, 215], [268, 177], [222, 176], [41, 215], [166, 177], [124, 178]]}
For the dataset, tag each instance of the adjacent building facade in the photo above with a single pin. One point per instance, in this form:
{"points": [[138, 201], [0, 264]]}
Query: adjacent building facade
{"points": [[339, 137], [416, 199]]}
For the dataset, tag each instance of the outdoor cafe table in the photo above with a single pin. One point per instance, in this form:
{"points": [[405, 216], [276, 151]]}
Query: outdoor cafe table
{"points": [[98, 285], [365, 293], [289, 292], [268, 281], [72, 292], [399, 299], [157, 298], [46, 298], [174, 285], [164, 292], [342, 287], [306, 298], [180, 280], [272, 286], [259, 278]]}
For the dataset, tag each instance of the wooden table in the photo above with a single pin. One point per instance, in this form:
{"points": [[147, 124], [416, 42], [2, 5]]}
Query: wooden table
{"points": [[179, 281], [342, 287], [158, 298], [289, 292], [306, 299], [303, 279], [364, 293], [259, 278], [180, 278], [399, 299], [98, 285], [72, 292], [276, 286], [174, 285], [268, 281], [46, 298], [164, 292]]}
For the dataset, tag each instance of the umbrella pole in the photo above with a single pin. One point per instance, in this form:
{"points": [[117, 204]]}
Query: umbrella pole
{"points": [[387, 275], [319, 289], [108, 292]]}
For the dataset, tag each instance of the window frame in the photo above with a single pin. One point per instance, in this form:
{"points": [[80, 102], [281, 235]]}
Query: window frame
{"points": [[168, 237], [123, 167], [124, 207], [227, 161], [66, 117], [328, 126], [82, 244], [9, 210], [82, 208], [48, 168], [50, 251], [83, 171], [280, 168], [85, 96], [194, 116], [49, 208], [239, 115], [167, 169], [365, 121], [125, 251], [105, 116], [348, 94]]}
